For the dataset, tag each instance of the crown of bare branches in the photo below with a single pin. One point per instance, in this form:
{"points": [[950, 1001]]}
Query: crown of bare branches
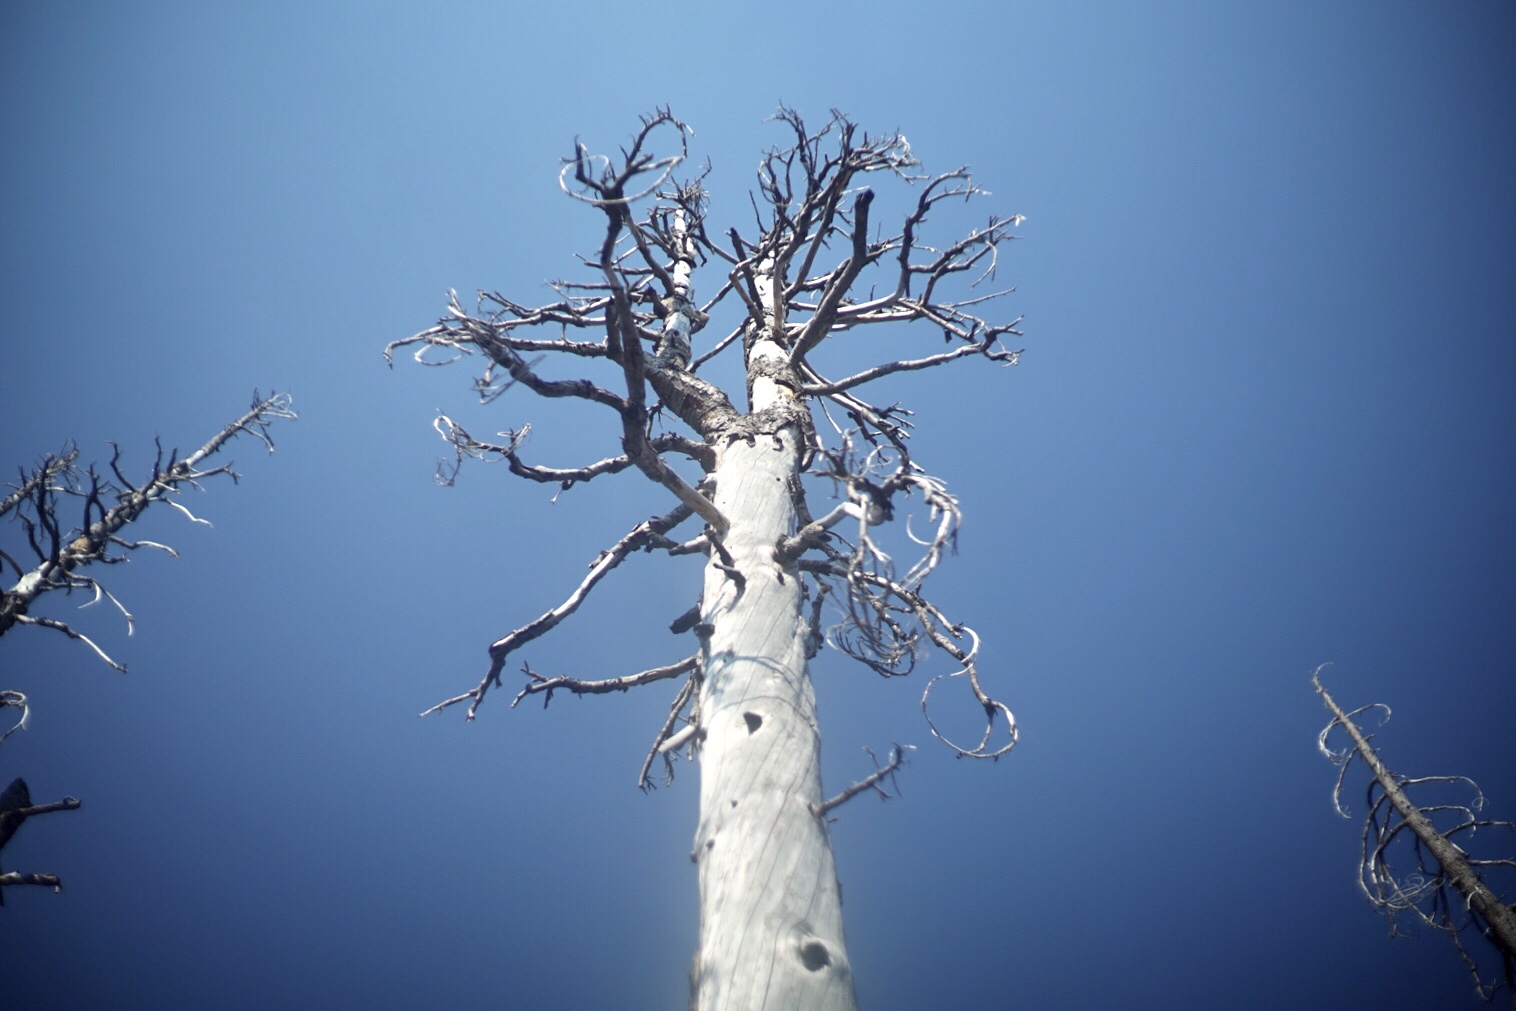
{"points": [[813, 265]]}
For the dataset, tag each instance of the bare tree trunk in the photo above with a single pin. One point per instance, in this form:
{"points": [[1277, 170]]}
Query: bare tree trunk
{"points": [[770, 911]]}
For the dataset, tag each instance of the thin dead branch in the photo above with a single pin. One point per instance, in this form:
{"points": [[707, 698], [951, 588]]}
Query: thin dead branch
{"points": [[870, 782], [645, 536], [540, 684], [668, 740]]}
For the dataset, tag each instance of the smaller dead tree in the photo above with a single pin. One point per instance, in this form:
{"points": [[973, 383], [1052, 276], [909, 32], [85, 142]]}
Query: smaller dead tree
{"points": [[62, 546], [1420, 889]]}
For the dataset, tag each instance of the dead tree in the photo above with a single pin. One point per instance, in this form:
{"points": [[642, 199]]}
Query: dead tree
{"points": [[62, 547], [815, 268], [1418, 893]]}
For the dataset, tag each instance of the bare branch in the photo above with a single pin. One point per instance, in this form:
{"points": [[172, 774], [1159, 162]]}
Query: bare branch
{"points": [[59, 626], [987, 347], [669, 740], [870, 782], [839, 283], [808, 199], [465, 445], [644, 536], [547, 685], [607, 188]]}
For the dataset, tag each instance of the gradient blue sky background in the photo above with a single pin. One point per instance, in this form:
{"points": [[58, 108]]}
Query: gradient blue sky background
{"points": [[1265, 420]]}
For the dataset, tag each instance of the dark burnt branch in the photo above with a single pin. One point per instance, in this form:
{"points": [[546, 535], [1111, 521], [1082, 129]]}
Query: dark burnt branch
{"points": [[870, 782], [688, 397], [17, 878], [839, 282], [819, 168], [870, 421], [623, 340], [645, 536], [107, 506], [15, 808], [1437, 864], [815, 635], [607, 186], [462, 334]]}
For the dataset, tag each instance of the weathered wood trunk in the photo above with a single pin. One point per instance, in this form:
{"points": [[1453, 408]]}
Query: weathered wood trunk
{"points": [[770, 909]]}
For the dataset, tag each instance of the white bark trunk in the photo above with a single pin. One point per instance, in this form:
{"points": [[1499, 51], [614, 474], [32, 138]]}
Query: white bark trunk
{"points": [[770, 908]]}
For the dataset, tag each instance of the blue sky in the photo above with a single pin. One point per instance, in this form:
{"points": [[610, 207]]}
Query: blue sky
{"points": [[1264, 420]]}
